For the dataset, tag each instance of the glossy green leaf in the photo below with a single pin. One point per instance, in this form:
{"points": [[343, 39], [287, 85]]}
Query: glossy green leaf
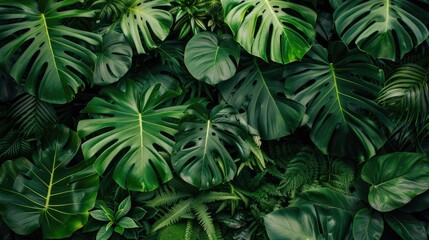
{"points": [[127, 222], [123, 208], [328, 198], [99, 215], [144, 22], [419, 203], [259, 92], [367, 225], [280, 31], [50, 63], [210, 58], [395, 179], [384, 28], [46, 192], [104, 233], [136, 130], [338, 89], [202, 154], [113, 59], [406, 226]]}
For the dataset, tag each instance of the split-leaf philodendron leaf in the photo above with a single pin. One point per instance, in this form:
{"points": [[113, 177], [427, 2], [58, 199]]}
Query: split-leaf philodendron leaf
{"points": [[134, 131], [46, 192]]}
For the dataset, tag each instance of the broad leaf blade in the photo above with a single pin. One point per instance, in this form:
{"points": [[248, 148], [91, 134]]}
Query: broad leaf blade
{"points": [[260, 94], [47, 193], [339, 93], [210, 58], [406, 226], [280, 31], [383, 28], [134, 129], [50, 64], [395, 179], [368, 225]]}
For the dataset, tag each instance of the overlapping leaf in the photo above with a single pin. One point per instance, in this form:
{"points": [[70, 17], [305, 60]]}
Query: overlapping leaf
{"points": [[367, 225], [383, 28], [47, 193], [338, 90], [52, 59], [280, 31], [135, 130]]}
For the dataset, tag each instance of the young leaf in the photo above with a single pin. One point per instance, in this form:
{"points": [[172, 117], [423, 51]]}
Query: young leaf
{"points": [[124, 208]]}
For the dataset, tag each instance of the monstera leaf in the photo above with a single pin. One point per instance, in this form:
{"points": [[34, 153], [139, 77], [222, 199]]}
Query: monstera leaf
{"points": [[143, 19], [46, 192], [210, 58], [338, 90], [113, 59], [395, 179], [280, 31], [132, 128], [201, 155], [260, 94], [50, 64], [384, 28]]}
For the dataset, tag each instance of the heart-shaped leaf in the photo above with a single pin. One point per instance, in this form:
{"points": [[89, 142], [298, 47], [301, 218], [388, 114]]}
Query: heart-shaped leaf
{"points": [[133, 128], [368, 225], [210, 58], [395, 179], [46, 192]]}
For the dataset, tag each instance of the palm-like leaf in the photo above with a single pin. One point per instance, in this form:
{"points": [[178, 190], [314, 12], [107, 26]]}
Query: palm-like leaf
{"points": [[210, 58], [46, 193], [135, 129], [113, 59], [383, 28], [280, 31], [144, 18], [260, 93], [338, 92], [50, 64], [12, 145], [407, 93], [201, 153]]}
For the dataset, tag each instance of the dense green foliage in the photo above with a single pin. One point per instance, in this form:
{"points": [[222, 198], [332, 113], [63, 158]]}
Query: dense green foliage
{"points": [[214, 119]]}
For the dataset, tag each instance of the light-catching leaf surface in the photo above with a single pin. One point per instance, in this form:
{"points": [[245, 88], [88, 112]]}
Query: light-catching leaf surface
{"points": [[260, 94], [113, 59], [134, 129], [53, 61], [46, 192], [202, 155], [384, 28], [280, 31], [210, 58], [144, 22], [368, 225], [406, 225], [338, 91], [395, 179]]}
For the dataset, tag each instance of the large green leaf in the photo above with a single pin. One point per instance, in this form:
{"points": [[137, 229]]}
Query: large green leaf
{"points": [[383, 28], [113, 59], [338, 90], [307, 222], [260, 94], [406, 226], [202, 154], [395, 179], [145, 19], [280, 31], [133, 128], [52, 60], [46, 192], [368, 225], [210, 58]]}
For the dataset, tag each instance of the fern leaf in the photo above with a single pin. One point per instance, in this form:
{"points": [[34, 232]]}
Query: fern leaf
{"points": [[166, 198], [30, 115], [205, 220], [174, 215], [189, 230], [340, 176], [13, 146], [215, 196]]}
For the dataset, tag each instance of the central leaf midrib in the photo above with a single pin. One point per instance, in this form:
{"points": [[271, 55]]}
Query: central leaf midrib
{"points": [[141, 131], [51, 180], [387, 15], [45, 25], [207, 138], [337, 92], [267, 2]]}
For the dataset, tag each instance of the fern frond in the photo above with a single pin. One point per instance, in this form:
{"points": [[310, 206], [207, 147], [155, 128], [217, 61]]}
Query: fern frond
{"points": [[215, 196], [174, 214], [166, 198], [30, 115], [205, 220], [340, 176], [189, 230], [109, 9], [13, 146], [281, 151]]}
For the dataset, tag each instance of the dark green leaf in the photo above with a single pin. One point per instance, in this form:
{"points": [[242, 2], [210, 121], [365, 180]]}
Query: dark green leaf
{"points": [[46, 193], [406, 226], [127, 222], [134, 129], [99, 215], [124, 208], [212, 59], [280, 31], [338, 90], [367, 225], [419, 203], [13, 146], [104, 233], [395, 179]]}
